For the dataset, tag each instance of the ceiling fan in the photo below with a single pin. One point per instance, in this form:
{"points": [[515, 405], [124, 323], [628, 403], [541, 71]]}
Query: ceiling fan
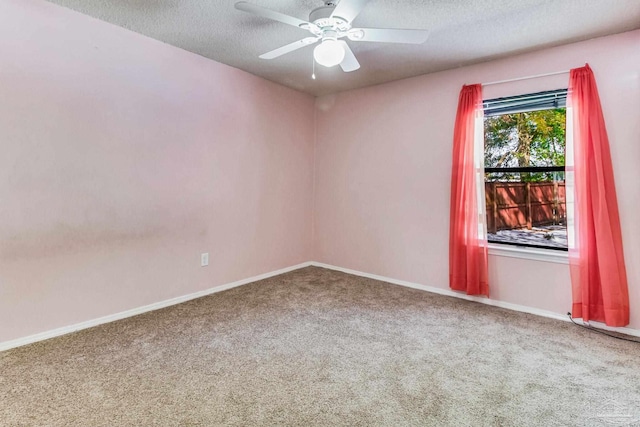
{"points": [[330, 23]]}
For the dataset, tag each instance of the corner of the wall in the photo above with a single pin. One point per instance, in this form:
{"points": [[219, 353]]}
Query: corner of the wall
{"points": [[314, 172]]}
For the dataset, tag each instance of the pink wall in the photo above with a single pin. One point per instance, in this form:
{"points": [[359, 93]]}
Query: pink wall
{"points": [[124, 158], [383, 159]]}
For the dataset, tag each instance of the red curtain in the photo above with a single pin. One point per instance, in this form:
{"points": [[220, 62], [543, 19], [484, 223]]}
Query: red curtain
{"points": [[596, 258], [467, 232]]}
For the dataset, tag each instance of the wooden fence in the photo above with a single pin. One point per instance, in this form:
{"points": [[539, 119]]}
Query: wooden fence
{"points": [[513, 205]]}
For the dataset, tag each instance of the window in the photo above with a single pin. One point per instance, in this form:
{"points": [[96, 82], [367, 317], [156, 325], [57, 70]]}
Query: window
{"points": [[524, 153]]}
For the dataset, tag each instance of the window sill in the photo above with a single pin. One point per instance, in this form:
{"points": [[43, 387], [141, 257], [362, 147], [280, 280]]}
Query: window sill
{"points": [[544, 255]]}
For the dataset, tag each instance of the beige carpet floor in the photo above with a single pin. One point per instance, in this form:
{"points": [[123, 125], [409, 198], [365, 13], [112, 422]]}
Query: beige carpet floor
{"points": [[320, 348]]}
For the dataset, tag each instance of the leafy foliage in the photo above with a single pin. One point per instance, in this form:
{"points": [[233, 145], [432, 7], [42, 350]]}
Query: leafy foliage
{"points": [[535, 138]]}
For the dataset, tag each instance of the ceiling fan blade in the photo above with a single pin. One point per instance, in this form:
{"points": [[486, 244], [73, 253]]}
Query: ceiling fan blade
{"points": [[289, 48], [349, 9], [271, 14], [388, 35], [349, 63]]}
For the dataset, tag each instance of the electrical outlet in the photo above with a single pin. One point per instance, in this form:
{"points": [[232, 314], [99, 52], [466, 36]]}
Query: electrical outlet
{"points": [[204, 259]]}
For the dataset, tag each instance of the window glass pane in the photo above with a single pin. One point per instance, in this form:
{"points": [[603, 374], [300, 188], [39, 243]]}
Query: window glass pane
{"points": [[525, 192], [534, 138], [527, 209]]}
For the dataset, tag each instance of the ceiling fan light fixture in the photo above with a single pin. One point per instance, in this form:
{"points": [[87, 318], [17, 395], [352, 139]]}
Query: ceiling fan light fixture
{"points": [[329, 53], [328, 24]]}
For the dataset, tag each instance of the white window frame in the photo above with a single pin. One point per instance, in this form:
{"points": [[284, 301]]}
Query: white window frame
{"points": [[515, 251], [523, 252]]}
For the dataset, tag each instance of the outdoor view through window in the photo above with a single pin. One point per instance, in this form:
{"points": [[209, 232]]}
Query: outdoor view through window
{"points": [[524, 170]]}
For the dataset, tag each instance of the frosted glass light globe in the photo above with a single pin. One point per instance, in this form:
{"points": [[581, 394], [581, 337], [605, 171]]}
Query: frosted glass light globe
{"points": [[329, 53]]}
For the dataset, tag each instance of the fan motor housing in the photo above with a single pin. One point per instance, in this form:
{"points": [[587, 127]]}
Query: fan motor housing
{"points": [[323, 12], [321, 16]]}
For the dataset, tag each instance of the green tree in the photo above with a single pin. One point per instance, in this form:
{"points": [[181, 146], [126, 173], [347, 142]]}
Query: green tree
{"points": [[535, 138]]}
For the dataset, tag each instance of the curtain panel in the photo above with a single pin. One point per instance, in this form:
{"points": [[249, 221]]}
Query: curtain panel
{"points": [[596, 257], [468, 257]]}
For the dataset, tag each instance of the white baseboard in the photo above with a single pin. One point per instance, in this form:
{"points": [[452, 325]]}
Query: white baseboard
{"points": [[488, 301], [139, 310], [173, 301]]}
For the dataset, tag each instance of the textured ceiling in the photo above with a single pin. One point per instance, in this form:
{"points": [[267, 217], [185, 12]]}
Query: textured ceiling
{"points": [[462, 32]]}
